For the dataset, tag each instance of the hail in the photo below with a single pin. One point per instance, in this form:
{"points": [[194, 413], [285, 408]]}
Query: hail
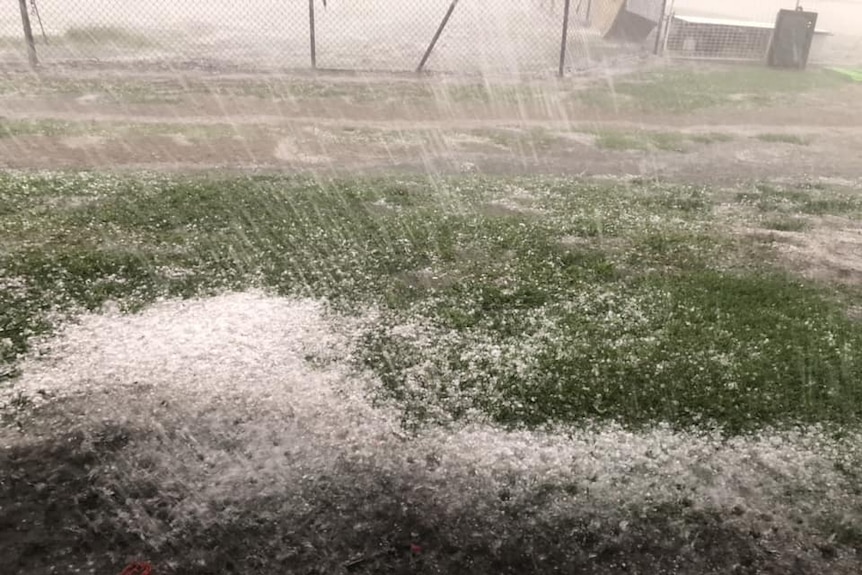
{"points": [[283, 366]]}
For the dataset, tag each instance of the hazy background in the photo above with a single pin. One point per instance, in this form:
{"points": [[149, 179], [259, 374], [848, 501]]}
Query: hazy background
{"points": [[516, 35]]}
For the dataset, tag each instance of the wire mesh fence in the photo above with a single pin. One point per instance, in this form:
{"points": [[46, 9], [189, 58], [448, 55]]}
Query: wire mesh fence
{"points": [[481, 36], [513, 36], [743, 29]]}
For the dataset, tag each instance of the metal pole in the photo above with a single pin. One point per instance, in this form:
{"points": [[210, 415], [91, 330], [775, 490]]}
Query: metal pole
{"points": [[671, 12], [436, 36], [565, 41], [28, 34], [661, 27], [39, 19], [311, 34]]}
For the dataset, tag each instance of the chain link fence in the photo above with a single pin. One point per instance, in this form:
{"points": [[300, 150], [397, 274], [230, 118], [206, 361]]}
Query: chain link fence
{"points": [[510, 36], [481, 36]]}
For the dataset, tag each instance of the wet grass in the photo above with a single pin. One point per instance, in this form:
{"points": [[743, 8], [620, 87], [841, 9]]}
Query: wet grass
{"points": [[806, 200], [16, 128], [663, 141], [54, 128], [297, 89], [75, 492], [128, 91], [786, 224], [549, 300], [678, 90], [710, 138], [671, 90], [793, 139], [118, 130]]}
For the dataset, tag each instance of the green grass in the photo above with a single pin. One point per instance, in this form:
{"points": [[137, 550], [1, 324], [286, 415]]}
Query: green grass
{"points": [[786, 224], [784, 139], [685, 90], [671, 90], [619, 141], [57, 128], [17, 128], [852, 74], [170, 89], [804, 200], [621, 302], [664, 141], [126, 91], [710, 138]]}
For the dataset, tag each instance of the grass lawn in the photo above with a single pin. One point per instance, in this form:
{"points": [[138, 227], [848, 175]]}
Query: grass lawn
{"points": [[249, 373], [664, 141], [466, 375], [784, 139], [533, 301], [678, 90], [667, 90]]}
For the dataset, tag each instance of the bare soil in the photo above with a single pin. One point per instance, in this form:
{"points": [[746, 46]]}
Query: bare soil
{"points": [[829, 251]]}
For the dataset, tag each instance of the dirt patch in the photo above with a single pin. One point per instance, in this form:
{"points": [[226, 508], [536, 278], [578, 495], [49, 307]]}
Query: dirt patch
{"points": [[89, 99], [288, 150], [181, 140], [86, 142], [831, 250], [465, 141], [504, 207]]}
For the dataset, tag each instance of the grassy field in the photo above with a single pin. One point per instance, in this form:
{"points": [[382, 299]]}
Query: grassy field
{"points": [[241, 371], [685, 90], [538, 300], [673, 89]]}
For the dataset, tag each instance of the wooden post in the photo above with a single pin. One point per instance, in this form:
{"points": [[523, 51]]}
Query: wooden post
{"points": [[311, 33], [28, 35], [564, 43]]}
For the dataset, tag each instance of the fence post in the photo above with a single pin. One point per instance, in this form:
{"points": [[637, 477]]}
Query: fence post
{"points": [[565, 41], [671, 13], [660, 29], [436, 37], [28, 34], [311, 33]]}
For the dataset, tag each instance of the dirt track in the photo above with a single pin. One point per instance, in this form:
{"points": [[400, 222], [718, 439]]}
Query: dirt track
{"points": [[390, 128]]}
